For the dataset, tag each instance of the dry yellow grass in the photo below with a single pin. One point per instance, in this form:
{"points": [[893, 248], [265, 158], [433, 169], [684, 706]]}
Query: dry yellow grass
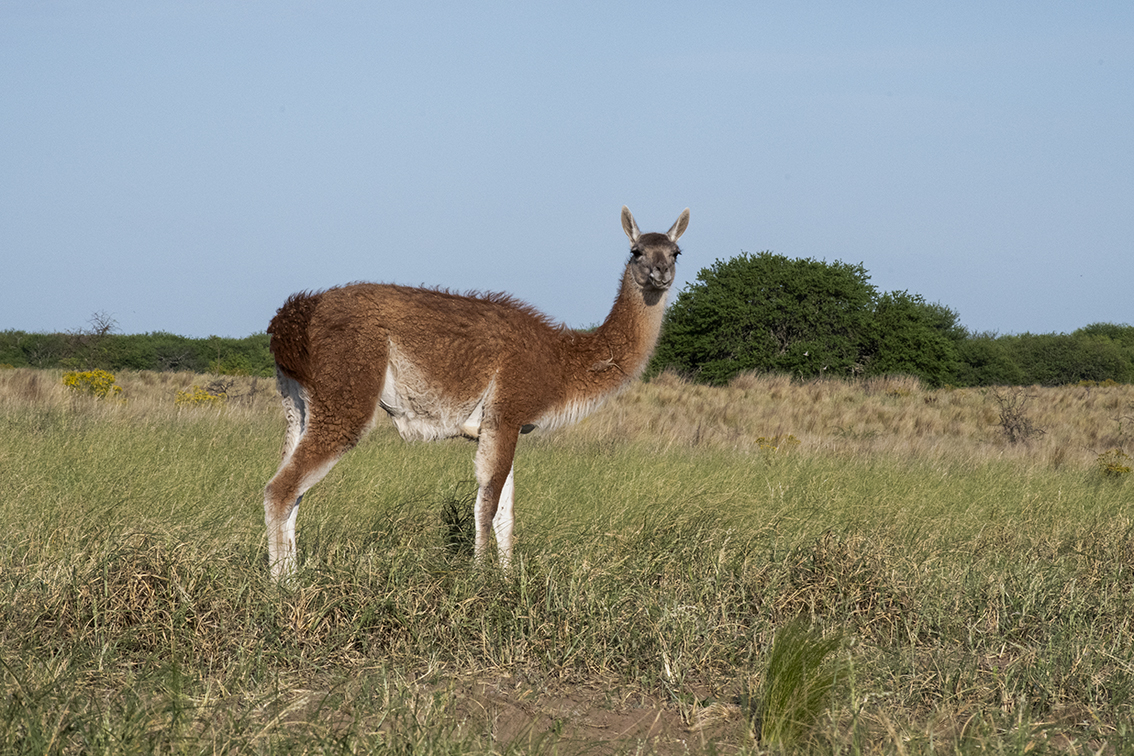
{"points": [[888, 416], [143, 393], [893, 416]]}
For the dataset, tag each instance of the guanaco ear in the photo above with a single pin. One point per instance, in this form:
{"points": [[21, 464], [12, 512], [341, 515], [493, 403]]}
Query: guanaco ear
{"points": [[677, 229], [629, 226]]}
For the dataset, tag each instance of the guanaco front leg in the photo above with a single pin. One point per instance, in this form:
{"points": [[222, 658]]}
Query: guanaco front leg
{"points": [[494, 497]]}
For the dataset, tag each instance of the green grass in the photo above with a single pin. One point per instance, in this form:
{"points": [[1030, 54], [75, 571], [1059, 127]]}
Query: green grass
{"points": [[980, 605], [799, 678]]}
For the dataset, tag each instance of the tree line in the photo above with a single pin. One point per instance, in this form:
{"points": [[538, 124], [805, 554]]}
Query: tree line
{"points": [[89, 349], [762, 312]]}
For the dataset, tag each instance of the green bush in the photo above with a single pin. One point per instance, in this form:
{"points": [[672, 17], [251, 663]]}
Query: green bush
{"points": [[913, 337], [986, 360], [1123, 334], [770, 313], [1059, 359], [38, 350]]}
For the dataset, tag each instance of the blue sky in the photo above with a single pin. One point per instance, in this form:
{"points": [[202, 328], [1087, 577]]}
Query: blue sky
{"points": [[185, 166]]}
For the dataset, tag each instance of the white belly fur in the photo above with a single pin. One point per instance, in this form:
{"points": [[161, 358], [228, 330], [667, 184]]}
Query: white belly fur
{"points": [[420, 411]]}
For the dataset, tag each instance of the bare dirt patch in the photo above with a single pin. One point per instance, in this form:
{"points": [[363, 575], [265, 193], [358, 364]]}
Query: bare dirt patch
{"points": [[598, 718]]}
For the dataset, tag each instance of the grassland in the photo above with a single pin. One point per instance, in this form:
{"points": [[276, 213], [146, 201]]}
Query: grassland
{"points": [[967, 593]]}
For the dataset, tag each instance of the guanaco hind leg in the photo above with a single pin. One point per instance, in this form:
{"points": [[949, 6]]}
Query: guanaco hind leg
{"points": [[310, 451], [281, 502], [279, 516]]}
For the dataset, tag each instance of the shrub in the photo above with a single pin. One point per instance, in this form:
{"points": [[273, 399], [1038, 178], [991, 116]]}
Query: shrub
{"points": [[806, 318], [247, 356], [198, 396], [1122, 334], [232, 364], [769, 313], [1014, 421], [1058, 359], [1114, 463], [777, 443], [39, 350], [913, 337], [92, 382], [986, 360]]}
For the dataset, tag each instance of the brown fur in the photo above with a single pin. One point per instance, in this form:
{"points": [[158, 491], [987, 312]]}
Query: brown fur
{"points": [[449, 356], [288, 331]]}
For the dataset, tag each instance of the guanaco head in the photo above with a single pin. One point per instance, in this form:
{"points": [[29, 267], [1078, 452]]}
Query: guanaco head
{"points": [[653, 255]]}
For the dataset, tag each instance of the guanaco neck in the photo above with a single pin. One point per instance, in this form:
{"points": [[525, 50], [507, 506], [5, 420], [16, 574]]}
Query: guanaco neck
{"points": [[626, 339]]}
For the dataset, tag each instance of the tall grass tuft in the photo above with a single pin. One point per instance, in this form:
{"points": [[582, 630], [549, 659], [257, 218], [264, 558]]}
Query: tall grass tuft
{"points": [[458, 526], [799, 679]]}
